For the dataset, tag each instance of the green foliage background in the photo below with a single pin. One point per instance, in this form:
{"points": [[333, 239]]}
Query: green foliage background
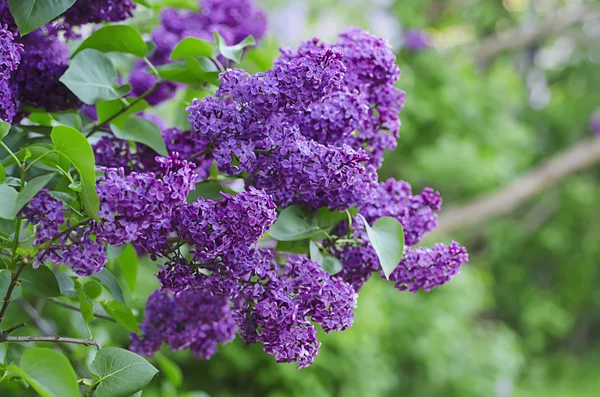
{"points": [[522, 319]]}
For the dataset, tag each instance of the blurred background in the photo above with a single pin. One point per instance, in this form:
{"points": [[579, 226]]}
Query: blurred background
{"points": [[502, 118]]}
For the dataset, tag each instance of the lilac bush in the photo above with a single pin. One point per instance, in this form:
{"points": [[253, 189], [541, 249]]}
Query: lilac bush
{"points": [[294, 151]]}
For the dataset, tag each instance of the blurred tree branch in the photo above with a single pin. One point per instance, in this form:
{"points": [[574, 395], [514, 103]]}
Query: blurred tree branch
{"points": [[488, 48], [581, 155]]}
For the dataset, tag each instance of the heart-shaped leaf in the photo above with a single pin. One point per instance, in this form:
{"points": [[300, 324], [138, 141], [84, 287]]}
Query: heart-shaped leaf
{"points": [[387, 238], [92, 77], [120, 373], [32, 14], [48, 372]]}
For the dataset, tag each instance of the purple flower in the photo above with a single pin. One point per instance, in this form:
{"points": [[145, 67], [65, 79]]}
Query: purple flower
{"points": [[428, 268], [46, 213], [10, 53], [214, 227], [138, 207], [78, 249], [141, 81], [6, 18], [192, 319], [416, 40], [595, 123], [43, 62], [97, 11], [9, 101]]}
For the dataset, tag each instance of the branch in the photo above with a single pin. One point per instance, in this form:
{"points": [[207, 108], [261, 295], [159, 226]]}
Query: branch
{"points": [[75, 308], [99, 124], [53, 339], [9, 290], [490, 47], [504, 200]]}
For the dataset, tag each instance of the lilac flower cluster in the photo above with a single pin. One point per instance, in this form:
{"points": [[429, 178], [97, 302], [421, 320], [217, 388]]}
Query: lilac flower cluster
{"points": [[427, 268], [10, 58], [234, 20], [94, 11], [253, 130], [139, 207], [10, 53], [271, 305], [77, 249], [190, 319], [135, 208], [419, 267], [215, 227], [44, 61]]}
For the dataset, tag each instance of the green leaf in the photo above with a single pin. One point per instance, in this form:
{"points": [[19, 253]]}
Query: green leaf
{"points": [[46, 155], [2, 174], [4, 129], [192, 47], [330, 264], [92, 77], [296, 247], [295, 223], [93, 289], [48, 372], [110, 282], [181, 73], [122, 315], [13, 354], [120, 373], [40, 282], [77, 149], [208, 190], [170, 369], [110, 108], [387, 238], [114, 252], [143, 131], [327, 219], [233, 52], [194, 66], [32, 14], [8, 198], [129, 264], [180, 4], [66, 284], [30, 190], [85, 303], [115, 38], [315, 252], [5, 277]]}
